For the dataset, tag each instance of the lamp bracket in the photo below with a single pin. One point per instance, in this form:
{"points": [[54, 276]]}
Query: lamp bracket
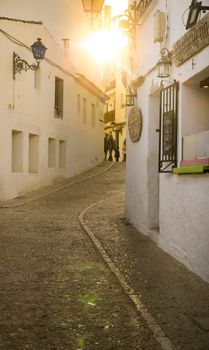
{"points": [[136, 10], [133, 14], [19, 64], [195, 3], [137, 82], [164, 52]]}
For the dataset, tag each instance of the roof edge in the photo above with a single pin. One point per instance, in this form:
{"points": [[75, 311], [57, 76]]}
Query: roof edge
{"points": [[21, 20], [89, 85]]}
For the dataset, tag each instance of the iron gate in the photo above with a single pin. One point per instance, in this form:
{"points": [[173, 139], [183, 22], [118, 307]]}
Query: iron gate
{"points": [[168, 128]]}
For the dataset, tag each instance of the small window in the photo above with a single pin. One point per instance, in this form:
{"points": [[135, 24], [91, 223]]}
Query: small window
{"points": [[51, 152], [17, 151], [84, 110], [33, 160], [58, 106], [79, 103], [62, 154], [195, 121], [93, 115]]}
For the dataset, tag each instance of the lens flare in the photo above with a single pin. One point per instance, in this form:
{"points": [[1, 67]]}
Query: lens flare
{"points": [[106, 45]]}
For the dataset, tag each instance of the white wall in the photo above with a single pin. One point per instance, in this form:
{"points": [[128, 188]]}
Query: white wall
{"points": [[137, 169], [152, 173], [184, 224], [31, 111], [141, 191], [183, 199], [86, 143]]}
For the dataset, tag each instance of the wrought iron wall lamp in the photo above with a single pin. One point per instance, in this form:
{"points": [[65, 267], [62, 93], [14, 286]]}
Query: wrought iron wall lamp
{"points": [[130, 19], [19, 64], [194, 11], [127, 21]]}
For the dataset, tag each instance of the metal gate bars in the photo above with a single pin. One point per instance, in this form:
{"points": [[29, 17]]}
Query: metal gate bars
{"points": [[168, 128]]}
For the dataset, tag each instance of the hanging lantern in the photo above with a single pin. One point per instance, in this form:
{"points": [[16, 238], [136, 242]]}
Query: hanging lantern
{"points": [[38, 50], [164, 64], [130, 97]]}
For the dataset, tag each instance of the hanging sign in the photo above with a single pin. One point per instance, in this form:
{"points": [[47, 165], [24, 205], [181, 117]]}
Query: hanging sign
{"points": [[134, 124], [192, 42]]}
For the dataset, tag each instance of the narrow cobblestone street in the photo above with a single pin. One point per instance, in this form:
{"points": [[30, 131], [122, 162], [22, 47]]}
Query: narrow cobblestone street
{"points": [[98, 287]]}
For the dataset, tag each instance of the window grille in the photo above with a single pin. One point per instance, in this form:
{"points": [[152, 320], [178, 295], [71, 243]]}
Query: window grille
{"points": [[58, 105]]}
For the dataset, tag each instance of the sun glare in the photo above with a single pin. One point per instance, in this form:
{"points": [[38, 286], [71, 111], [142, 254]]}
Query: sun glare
{"points": [[106, 45], [118, 6]]}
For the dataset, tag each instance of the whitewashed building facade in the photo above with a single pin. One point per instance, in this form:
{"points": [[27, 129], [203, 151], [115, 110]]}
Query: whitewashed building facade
{"points": [[167, 181], [51, 119]]}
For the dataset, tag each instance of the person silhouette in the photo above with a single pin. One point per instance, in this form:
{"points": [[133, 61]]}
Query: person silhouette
{"points": [[106, 145], [110, 146]]}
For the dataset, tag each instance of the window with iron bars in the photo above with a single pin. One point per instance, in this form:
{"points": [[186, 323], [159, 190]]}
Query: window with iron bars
{"points": [[58, 105]]}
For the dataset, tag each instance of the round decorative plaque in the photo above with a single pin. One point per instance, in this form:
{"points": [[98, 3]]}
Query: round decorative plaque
{"points": [[134, 124]]}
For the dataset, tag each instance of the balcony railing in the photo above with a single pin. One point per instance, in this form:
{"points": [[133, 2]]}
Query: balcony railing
{"points": [[109, 116]]}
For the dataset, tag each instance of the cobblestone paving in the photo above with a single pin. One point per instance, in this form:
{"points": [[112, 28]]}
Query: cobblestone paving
{"points": [[55, 291], [176, 298]]}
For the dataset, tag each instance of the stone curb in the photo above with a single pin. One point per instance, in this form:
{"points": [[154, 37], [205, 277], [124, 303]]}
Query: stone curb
{"points": [[158, 333]]}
